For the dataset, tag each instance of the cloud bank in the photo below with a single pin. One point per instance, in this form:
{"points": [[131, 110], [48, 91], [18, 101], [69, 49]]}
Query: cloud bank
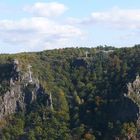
{"points": [[43, 9], [40, 29], [115, 18], [44, 28]]}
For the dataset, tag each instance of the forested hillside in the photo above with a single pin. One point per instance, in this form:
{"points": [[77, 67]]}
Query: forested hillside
{"points": [[87, 88]]}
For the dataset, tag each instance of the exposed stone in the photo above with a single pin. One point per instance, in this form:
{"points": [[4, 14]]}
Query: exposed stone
{"points": [[22, 93], [134, 95], [8, 101]]}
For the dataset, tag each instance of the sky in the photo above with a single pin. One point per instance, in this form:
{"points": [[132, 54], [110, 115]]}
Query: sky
{"points": [[36, 25]]}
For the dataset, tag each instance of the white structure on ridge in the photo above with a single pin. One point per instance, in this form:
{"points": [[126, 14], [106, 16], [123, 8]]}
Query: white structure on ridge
{"points": [[86, 54], [30, 74], [16, 65], [51, 103]]}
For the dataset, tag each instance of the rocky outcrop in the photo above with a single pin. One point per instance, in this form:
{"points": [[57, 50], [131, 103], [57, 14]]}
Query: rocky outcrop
{"points": [[8, 101], [22, 92]]}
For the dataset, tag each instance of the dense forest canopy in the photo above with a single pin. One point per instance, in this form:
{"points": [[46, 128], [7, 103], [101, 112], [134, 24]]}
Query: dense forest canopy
{"points": [[87, 87]]}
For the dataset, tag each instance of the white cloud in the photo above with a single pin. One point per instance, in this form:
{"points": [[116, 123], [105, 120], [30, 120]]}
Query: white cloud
{"points": [[37, 31], [41, 30], [46, 9], [115, 17], [121, 18]]}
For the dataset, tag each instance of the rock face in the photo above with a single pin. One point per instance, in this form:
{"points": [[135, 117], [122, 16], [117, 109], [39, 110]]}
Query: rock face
{"points": [[8, 101], [134, 95], [22, 93]]}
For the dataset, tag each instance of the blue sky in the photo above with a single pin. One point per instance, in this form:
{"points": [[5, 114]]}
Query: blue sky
{"points": [[36, 25]]}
